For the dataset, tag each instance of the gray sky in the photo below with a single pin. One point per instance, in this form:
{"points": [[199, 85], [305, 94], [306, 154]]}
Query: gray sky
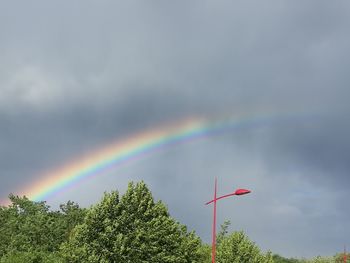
{"points": [[77, 75]]}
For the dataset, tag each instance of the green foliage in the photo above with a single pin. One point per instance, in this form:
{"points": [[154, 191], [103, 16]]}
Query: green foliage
{"points": [[237, 248], [34, 256], [320, 259], [132, 228], [205, 253], [29, 232], [339, 258], [223, 232], [27, 225], [72, 215], [280, 259]]}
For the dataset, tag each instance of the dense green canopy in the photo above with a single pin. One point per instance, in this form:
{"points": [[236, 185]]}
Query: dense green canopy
{"points": [[132, 228], [30, 232], [128, 228]]}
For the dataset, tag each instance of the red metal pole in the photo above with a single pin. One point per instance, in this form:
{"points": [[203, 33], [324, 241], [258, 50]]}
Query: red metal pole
{"points": [[345, 256], [213, 252], [237, 192]]}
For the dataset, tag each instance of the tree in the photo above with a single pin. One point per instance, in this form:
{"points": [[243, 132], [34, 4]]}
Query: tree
{"points": [[237, 248], [280, 259], [132, 228], [72, 215], [339, 257], [26, 225], [205, 253], [320, 259], [223, 231], [32, 256], [30, 232]]}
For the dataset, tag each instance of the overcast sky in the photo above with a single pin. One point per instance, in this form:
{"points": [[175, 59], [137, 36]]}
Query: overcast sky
{"points": [[77, 75]]}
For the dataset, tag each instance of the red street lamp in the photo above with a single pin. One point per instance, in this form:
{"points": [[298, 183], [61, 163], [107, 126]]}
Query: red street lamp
{"points": [[345, 258], [237, 192]]}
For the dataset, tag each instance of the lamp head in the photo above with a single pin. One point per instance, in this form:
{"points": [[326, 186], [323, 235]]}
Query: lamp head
{"points": [[242, 192]]}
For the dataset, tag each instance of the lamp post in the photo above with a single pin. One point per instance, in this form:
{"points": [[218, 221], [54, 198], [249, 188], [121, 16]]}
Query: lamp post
{"points": [[237, 192], [345, 258]]}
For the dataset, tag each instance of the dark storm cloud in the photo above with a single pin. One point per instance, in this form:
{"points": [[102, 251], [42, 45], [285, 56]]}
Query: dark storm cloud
{"points": [[76, 75], [321, 145]]}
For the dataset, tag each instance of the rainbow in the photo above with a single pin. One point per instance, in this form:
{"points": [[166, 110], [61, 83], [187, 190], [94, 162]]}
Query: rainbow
{"points": [[114, 155], [126, 150]]}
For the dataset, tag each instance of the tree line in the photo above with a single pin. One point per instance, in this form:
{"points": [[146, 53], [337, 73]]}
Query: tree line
{"points": [[120, 228]]}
